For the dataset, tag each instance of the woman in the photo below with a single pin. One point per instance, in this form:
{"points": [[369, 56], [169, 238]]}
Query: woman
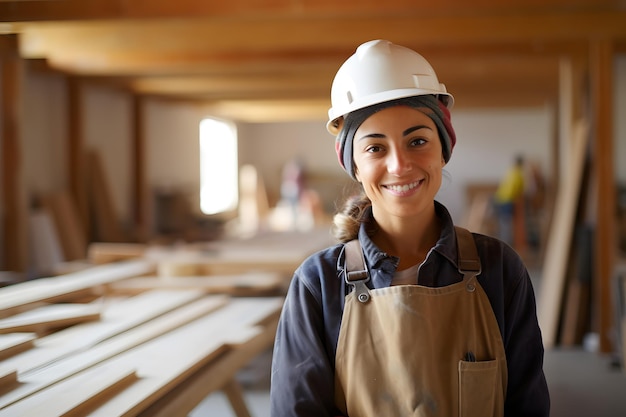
{"points": [[408, 315]]}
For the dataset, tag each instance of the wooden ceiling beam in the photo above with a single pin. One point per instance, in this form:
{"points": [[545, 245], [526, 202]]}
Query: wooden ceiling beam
{"points": [[196, 37], [64, 10]]}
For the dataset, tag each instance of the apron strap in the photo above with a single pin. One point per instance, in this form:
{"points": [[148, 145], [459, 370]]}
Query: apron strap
{"points": [[356, 273], [468, 261]]}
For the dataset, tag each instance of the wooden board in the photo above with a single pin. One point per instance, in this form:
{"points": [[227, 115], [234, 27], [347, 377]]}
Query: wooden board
{"points": [[14, 343], [35, 380], [279, 252], [161, 362], [106, 252], [43, 319], [105, 387], [8, 377], [181, 400], [560, 239], [75, 396], [116, 318], [119, 316], [235, 321], [252, 284], [22, 296]]}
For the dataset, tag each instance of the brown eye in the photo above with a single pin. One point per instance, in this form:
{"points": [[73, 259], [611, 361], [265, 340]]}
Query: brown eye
{"points": [[418, 142]]}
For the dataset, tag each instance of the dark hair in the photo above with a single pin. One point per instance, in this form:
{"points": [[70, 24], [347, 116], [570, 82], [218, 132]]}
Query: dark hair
{"points": [[347, 221]]}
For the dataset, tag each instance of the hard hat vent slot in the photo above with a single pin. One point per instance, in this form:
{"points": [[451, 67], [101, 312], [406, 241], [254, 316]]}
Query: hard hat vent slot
{"points": [[349, 96]]}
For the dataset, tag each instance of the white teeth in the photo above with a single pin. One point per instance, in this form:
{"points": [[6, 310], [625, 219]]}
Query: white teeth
{"points": [[402, 188]]}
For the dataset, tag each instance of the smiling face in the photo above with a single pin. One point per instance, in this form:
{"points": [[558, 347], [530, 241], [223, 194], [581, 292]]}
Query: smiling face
{"points": [[398, 159]]}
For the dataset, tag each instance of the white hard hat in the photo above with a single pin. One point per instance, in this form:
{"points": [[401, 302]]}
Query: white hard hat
{"points": [[381, 71]]}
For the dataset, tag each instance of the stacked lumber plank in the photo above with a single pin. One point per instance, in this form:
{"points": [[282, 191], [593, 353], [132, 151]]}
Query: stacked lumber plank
{"points": [[280, 252], [156, 350]]}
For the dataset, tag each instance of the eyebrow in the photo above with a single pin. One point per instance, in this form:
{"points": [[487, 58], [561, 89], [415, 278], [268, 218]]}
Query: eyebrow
{"points": [[414, 128], [404, 133]]}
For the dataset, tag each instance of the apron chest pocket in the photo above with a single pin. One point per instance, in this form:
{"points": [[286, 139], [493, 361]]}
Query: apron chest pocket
{"points": [[479, 386]]}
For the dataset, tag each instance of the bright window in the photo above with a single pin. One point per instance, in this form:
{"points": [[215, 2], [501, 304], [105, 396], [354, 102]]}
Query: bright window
{"points": [[218, 166]]}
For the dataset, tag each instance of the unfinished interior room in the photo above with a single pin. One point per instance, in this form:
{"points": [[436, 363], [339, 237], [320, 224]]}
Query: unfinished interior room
{"points": [[165, 168]]}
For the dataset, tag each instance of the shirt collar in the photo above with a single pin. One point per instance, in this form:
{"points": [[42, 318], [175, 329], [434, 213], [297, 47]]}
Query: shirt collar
{"points": [[446, 244]]}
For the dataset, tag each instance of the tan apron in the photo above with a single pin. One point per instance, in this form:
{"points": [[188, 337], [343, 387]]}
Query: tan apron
{"points": [[411, 350]]}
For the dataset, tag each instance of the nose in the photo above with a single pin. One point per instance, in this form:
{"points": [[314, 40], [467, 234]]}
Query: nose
{"points": [[398, 162]]}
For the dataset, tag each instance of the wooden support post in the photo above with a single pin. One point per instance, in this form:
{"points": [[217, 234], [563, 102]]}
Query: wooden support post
{"points": [[601, 75], [140, 192], [12, 208], [76, 154]]}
